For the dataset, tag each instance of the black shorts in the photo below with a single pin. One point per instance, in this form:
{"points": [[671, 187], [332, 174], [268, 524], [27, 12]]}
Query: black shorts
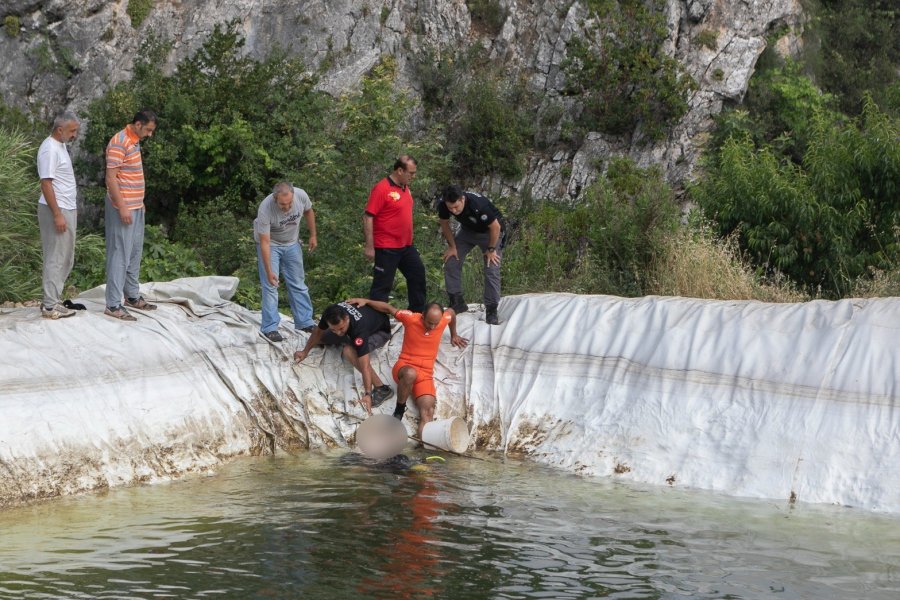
{"points": [[373, 342]]}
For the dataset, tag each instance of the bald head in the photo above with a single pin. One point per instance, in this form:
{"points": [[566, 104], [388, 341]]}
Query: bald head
{"points": [[432, 316]]}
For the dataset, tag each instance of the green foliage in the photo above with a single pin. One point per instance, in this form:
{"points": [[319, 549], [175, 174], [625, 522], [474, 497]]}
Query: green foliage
{"points": [[493, 133], [385, 13], [138, 10], [605, 244], [783, 102], [11, 25], [488, 14], [164, 260], [229, 126], [825, 223], [708, 38], [620, 73], [13, 119], [855, 49], [20, 247], [490, 114]]}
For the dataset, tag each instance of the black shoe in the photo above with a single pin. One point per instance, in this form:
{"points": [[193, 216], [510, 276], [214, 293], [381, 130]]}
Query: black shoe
{"points": [[458, 303], [273, 336], [399, 410], [380, 394], [74, 305], [307, 329], [490, 315]]}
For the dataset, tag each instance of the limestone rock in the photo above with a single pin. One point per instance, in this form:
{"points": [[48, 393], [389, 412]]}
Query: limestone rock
{"points": [[71, 51]]}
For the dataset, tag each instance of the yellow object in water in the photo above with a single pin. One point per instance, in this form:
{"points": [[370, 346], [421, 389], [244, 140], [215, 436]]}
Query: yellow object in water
{"points": [[435, 458]]}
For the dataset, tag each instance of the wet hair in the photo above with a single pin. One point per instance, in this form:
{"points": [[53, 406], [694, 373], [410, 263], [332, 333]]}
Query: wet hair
{"points": [[283, 186], [452, 193], [403, 161], [63, 118], [144, 116], [334, 314]]}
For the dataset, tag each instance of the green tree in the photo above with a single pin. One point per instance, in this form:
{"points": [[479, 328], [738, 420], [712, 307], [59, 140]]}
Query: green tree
{"points": [[824, 223], [620, 73]]}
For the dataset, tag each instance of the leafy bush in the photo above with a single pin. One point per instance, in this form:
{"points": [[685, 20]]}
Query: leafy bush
{"points": [[138, 10], [488, 14], [824, 224], [605, 244], [854, 49], [708, 38], [11, 25], [489, 115], [229, 125], [620, 73]]}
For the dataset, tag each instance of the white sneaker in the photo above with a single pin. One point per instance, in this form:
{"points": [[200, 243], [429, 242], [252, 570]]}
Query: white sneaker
{"points": [[57, 312]]}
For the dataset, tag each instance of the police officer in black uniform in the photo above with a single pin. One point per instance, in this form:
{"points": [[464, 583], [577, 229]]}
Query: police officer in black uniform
{"points": [[481, 225], [358, 330]]}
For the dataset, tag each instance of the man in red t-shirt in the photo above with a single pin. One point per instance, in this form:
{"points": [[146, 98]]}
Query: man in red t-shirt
{"points": [[388, 230], [414, 370]]}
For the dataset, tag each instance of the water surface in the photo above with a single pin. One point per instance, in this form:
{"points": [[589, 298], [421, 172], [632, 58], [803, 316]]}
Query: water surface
{"points": [[326, 526]]}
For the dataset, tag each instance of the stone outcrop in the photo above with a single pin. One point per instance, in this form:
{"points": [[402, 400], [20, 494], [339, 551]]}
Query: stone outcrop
{"points": [[67, 52]]}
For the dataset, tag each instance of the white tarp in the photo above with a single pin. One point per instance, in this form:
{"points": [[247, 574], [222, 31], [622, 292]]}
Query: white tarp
{"points": [[745, 398]]}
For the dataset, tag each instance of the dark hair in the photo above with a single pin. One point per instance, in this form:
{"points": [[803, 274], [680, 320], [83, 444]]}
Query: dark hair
{"points": [[452, 193], [334, 314], [403, 160], [144, 116]]}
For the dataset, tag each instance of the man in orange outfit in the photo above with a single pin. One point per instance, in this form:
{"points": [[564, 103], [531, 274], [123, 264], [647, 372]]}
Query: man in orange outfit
{"points": [[414, 371]]}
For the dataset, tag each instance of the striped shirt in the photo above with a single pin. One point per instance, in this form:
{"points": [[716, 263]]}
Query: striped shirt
{"points": [[124, 152]]}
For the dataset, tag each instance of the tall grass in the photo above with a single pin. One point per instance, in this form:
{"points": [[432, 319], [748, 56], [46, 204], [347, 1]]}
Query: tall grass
{"points": [[696, 264], [20, 247]]}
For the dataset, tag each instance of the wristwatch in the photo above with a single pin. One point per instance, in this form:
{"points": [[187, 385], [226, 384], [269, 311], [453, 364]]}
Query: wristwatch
{"points": [[491, 248]]}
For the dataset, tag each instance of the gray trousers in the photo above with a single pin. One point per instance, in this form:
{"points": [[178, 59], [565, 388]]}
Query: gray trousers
{"points": [[124, 248], [59, 252], [465, 241]]}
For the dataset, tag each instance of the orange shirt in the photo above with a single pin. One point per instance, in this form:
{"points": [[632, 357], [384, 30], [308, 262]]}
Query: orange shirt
{"points": [[420, 347], [124, 152]]}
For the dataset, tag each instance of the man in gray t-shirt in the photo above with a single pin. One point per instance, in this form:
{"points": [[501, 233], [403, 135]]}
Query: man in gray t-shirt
{"points": [[277, 234]]}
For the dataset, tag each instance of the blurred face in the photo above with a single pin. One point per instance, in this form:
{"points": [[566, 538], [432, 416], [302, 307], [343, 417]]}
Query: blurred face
{"points": [[432, 318], [144, 130], [405, 175], [457, 205], [66, 132], [341, 328], [284, 200]]}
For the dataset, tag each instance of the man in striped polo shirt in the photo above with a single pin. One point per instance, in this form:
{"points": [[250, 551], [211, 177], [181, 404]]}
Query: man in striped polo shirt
{"points": [[125, 217]]}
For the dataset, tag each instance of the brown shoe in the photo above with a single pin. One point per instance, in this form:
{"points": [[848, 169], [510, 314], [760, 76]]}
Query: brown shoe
{"points": [[58, 311], [139, 303], [120, 313]]}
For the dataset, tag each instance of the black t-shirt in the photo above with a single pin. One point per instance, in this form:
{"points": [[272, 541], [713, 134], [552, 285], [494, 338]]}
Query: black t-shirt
{"points": [[478, 212], [364, 321]]}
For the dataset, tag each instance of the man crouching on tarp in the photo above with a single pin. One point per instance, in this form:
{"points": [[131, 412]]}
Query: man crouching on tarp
{"points": [[414, 370], [359, 331]]}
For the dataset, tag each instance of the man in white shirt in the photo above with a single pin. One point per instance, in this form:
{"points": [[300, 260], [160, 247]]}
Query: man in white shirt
{"points": [[57, 213]]}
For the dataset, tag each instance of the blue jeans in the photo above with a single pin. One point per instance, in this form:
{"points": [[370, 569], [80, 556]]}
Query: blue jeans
{"points": [[287, 261]]}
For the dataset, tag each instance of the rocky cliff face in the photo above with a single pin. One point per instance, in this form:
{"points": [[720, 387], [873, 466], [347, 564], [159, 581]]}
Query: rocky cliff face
{"points": [[63, 53]]}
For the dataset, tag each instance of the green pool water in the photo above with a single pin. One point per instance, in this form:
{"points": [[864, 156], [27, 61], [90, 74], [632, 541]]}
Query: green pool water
{"points": [[325, 525]]}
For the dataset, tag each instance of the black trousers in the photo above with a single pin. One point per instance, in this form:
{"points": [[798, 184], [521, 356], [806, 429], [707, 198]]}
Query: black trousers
{"points": [[408, 261]]}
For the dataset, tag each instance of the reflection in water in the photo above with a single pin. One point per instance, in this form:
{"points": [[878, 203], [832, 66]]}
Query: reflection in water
{"points": [[333, 526]]}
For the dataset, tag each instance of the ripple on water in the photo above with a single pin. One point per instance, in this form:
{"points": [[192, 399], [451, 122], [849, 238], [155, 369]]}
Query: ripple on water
{"points": [[328, 526]]}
